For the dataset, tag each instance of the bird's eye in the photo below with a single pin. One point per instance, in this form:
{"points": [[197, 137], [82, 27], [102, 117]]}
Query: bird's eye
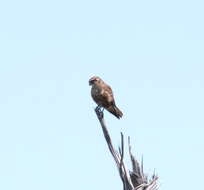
{"points": [[92, 81]]}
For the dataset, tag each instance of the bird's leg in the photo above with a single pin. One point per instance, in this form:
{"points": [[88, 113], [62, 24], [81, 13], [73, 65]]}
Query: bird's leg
{"points": [[99, 109]]}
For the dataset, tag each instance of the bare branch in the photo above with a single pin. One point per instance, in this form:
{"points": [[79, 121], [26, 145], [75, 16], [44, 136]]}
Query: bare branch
{"points": [[132, 180]]}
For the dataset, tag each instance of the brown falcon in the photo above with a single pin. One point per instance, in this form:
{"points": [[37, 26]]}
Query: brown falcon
{"points": [[103, 96]]}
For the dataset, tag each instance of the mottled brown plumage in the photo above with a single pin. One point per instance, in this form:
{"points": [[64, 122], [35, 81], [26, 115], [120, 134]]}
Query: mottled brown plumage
{"points": [[102, 94]]}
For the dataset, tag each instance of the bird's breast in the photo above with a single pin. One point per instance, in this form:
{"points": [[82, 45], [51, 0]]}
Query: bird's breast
{"points": [[96, 94], [95, 90]]}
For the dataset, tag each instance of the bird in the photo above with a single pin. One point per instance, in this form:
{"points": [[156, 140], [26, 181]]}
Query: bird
{"points": [[102, 94]]}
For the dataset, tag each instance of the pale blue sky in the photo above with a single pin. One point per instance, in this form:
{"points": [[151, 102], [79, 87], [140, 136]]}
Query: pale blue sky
{"points": [[150, 52]]}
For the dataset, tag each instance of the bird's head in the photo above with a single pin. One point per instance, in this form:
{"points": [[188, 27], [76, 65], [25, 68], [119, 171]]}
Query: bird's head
{"points": [[94, 80]]}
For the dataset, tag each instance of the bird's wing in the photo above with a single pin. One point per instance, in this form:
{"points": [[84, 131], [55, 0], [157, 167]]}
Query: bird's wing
{"points": [[108, 94]]}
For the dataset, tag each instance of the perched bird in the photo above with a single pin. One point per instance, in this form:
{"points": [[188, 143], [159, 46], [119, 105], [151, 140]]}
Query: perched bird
{"points": [[102, 94]]}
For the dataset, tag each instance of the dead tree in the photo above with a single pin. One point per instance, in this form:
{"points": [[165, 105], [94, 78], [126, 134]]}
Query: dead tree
{"points": [[133, 179]]}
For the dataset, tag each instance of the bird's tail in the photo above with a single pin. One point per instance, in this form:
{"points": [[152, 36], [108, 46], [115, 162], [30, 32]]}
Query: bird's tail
{"points": [[115, 111]]}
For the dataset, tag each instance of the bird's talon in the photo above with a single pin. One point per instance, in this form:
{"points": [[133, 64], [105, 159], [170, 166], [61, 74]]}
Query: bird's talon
{"points": [[101, 114], [99, 110]]}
